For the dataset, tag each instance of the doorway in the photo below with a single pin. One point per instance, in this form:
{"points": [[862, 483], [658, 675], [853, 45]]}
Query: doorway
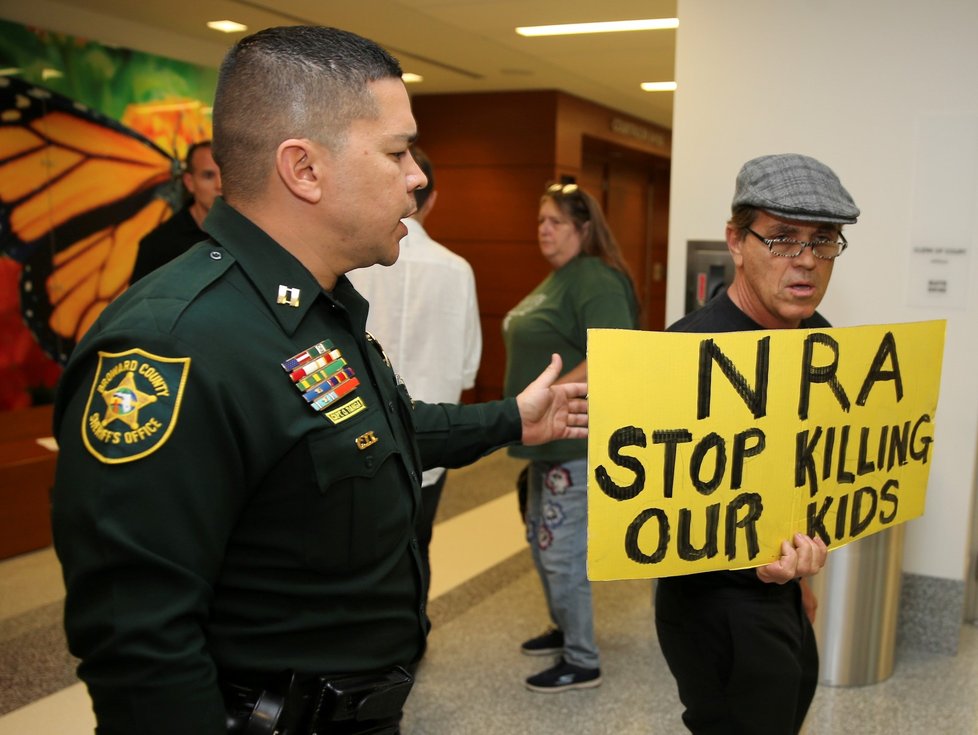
{"points": [[633, 188]]}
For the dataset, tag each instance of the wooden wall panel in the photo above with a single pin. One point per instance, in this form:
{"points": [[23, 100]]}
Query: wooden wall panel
{"points": [[592, 178], [493, 129], [486, 202], [658, 249], [501, 285], [627, 216], [577, 118], [489, 385], [636, 202], [26, 477], [26, 423]]}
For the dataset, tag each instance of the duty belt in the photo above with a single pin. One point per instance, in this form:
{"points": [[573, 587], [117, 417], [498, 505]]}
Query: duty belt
{"points": [[353, 704]]}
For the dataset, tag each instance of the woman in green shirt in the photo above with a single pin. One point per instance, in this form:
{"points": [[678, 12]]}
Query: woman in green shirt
{"points": [[589, 287]]}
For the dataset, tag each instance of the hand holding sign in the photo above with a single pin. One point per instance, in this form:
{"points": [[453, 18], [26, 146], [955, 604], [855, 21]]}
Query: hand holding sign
{"points": [[804, 558]]}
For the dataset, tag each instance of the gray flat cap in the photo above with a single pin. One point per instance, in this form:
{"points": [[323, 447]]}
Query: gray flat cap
{"points": [[796, 187]]}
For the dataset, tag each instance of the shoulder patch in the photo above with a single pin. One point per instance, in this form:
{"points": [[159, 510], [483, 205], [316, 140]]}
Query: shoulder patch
{"points": [[133, 405]]}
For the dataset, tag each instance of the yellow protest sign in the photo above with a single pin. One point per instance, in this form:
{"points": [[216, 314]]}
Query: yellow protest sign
{"points": [[705, 451]]}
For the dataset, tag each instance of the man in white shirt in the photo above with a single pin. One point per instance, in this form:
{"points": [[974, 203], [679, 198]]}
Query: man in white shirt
{"points": [[424, 311]]}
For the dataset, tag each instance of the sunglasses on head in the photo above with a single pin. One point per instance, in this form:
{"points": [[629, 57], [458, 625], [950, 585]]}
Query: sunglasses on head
{"points": [[562, 189]]}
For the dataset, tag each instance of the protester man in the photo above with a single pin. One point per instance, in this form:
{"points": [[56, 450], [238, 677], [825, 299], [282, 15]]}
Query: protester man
{"points": [[202, 180], [239, 469], [425, 312], [740, 643]]}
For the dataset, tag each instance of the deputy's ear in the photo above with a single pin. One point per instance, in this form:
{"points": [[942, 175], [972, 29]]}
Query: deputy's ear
{"points": [[298, 167], [735, 242]]}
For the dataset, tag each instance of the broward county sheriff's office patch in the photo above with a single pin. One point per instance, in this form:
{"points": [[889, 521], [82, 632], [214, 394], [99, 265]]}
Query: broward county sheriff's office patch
{"points": [[134, 404]]}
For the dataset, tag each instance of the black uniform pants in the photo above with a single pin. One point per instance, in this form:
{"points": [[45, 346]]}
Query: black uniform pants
{"points": [[745, 660]]}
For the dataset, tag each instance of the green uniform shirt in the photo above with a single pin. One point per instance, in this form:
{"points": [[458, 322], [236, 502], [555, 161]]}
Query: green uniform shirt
{"points": [[554, 317], [208, 517]]}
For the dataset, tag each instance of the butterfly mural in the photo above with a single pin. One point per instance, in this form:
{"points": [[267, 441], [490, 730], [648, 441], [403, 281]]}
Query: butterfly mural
{"points": [[78, 191]]}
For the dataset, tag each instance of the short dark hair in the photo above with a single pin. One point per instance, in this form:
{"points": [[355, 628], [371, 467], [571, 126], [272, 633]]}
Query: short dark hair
{"points": [[188, 161], [290, 82], [743, 216], [424, 163]]}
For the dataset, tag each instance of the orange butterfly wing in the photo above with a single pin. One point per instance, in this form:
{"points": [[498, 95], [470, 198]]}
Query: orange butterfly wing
{"points": [[78, 191]]}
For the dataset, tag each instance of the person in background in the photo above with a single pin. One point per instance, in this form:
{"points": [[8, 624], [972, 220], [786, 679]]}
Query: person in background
{"points": [[239, 470], [589, 287], [740, 643], [202, 180], [425, 312]]}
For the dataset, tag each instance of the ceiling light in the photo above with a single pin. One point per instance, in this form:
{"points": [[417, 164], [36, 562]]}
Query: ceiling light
{"points": [[658, 86], [410, 78], [10, 71], [612, 26], [227, 26], [51, 74]]}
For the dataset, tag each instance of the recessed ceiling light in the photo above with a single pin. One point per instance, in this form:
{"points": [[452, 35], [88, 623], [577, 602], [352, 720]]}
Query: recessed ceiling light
{"points": [[658, 86], [611, 26], [410, 78], [227, 26]]}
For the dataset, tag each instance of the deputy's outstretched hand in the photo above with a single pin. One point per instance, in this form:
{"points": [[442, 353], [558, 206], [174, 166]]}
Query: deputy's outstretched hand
{"points": [[803, 558], [551, 411]]}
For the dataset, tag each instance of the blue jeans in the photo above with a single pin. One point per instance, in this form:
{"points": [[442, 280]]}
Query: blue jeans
{"points": [[556, 529]]}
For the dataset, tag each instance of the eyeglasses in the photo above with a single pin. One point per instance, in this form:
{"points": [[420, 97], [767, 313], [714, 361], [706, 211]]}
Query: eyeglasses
{"points": [[785, 247]]}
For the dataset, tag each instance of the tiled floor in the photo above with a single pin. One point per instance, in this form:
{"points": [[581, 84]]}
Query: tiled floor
{"points": [[486, 601]]}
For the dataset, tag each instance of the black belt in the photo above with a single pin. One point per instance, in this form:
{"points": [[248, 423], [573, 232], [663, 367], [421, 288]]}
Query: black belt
{"points": [[353, 704]]}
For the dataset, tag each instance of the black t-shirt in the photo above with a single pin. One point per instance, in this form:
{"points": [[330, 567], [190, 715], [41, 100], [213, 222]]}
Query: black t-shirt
{"points": [[172, 238]]}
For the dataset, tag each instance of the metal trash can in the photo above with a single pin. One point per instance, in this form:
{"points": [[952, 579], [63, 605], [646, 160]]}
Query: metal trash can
{"points": [[858, 601]]}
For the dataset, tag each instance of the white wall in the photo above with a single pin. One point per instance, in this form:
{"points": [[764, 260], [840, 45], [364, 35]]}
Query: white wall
{"points": [[850, 83]]}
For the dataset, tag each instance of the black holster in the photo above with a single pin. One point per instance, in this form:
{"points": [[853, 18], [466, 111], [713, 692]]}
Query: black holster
{"points": [[354, 704]]}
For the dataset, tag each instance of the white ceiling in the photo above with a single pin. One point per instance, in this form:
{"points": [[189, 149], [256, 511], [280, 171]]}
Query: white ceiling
{"points": [[456, 45]]}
